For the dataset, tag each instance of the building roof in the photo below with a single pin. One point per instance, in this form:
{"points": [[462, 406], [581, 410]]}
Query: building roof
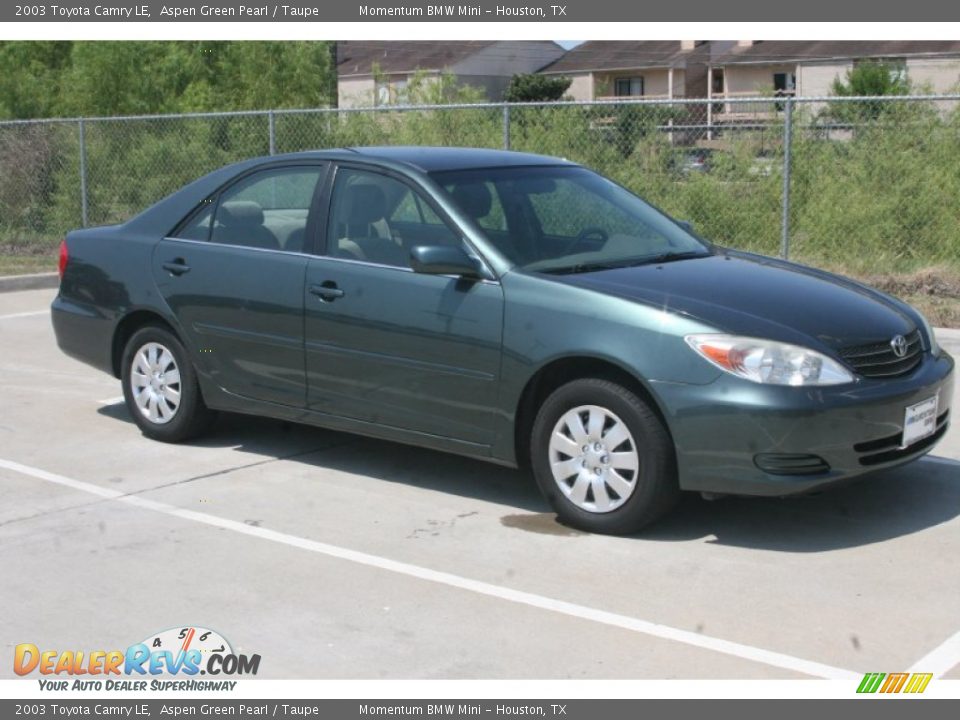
{"points": [[356, 57], [620, 55], [775, 51]]}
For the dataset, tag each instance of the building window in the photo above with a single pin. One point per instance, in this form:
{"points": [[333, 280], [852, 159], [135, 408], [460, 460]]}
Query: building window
{"points": [[628, 87], [784, 83], [388, 92]]}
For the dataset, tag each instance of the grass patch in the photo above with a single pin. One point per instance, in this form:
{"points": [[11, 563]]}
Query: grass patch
{"points": [[27, 264], [934, 291]]}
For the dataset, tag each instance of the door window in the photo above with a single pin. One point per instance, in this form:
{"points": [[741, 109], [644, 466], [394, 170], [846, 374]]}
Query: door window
{"points": [[378, 219], [267, 210]]}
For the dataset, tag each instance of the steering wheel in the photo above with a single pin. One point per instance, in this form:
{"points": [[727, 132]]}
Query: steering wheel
{"points": [[594, 231]]}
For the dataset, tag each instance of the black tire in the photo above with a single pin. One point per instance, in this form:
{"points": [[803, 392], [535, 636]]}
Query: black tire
{"points": [[191, 418], [655, 489]]}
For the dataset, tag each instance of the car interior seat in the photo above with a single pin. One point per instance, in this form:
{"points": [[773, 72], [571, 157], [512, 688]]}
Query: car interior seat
{"points": [[476, 200], [363, 230], [241, 223]]}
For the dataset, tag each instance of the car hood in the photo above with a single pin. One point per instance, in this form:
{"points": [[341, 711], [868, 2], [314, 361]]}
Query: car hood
{"points": [[752, 295]]}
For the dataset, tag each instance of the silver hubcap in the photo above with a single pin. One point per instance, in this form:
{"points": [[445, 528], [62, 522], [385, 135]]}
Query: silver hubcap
{"points": [[594, 459], [155, 382]]}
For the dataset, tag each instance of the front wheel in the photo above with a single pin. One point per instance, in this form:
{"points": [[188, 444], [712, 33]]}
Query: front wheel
{"points": [[602, 458], [160, 387]]}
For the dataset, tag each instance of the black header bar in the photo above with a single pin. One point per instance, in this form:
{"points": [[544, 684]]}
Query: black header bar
{"points": [[570, 11]]}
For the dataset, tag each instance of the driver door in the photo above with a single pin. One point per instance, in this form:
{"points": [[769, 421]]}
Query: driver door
{"points": [[388, 346]]}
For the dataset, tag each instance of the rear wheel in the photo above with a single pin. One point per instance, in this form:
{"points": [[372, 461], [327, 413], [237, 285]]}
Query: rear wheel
{"points": [[160, 387], [603, 458]]}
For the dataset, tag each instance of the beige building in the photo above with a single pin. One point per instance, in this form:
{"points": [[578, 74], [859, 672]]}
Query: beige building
{"points": [[376, 72], [603, 69], [809, 68]]}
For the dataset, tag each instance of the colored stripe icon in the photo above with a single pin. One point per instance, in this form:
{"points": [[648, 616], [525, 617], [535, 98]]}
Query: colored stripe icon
{"points": [[894, 682]]}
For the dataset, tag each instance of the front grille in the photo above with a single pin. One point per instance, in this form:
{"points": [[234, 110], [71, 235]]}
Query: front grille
{"points": [[877, 360]]}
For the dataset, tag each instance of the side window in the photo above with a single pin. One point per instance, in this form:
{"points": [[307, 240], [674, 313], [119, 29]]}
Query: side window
{"points": [[199, 227], [377, 219], [267, 210], [411, 209]]}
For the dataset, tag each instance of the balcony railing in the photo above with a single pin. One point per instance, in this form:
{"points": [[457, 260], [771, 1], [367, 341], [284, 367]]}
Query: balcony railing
{"points": [[726, 107], [633, 97]]}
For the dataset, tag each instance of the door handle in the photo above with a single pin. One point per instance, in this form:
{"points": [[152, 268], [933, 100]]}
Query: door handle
{"points": [[176, 267], [327, 291]]}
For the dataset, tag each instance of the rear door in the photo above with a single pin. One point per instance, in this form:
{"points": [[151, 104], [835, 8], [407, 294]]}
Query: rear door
{"points": [[233, 276], [389, 346]]}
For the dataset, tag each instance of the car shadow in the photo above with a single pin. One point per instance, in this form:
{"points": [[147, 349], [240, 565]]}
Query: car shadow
{"points": [[878, 507], [266, 439]]}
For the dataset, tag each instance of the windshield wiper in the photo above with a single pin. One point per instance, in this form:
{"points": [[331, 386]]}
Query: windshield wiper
{"points": [[671, 256], [665, 257], [582, 268]]}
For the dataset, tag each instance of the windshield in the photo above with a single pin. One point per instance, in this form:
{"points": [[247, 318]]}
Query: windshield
{"points": [[562, 219]]}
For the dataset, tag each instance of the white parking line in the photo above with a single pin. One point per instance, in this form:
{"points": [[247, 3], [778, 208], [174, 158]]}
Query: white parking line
{"points": [[941, 659], [582, 612], [24, 314], [111, 401]]}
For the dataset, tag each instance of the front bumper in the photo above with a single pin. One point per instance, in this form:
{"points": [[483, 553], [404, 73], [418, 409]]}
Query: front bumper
{"points": [[737, 437]]}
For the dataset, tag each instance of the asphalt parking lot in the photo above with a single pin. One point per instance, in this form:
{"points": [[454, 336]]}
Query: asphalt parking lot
{"points": [[334, 556]]}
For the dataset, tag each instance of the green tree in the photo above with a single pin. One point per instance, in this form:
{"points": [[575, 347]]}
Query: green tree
{"points": [[874, 77], [46, 79], [536, 88], [30, 78], [867, 79], [121, 78], [276, 74]]}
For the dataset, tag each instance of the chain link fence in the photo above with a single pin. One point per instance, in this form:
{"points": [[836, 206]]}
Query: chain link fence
{"points": [[862, 185]]}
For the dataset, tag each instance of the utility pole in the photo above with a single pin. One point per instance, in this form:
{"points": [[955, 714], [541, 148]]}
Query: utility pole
{"points": [[333, 89]]}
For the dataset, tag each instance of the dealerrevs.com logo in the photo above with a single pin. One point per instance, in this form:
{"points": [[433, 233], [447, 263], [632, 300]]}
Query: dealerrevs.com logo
{"points": [[169, 660]]}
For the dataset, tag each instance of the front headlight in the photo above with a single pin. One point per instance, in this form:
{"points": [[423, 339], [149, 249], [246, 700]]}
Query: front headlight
{"points": [[769, 362], [934, 348]]}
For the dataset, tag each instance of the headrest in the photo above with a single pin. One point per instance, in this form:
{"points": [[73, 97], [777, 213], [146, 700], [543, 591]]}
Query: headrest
{"points": [[365, 204], [474, 199], [241, 212]]}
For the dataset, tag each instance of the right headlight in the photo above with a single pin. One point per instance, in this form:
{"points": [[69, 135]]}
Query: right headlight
{"points": [[769, 362]]}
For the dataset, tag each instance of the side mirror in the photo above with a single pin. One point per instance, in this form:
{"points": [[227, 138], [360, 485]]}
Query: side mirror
{"points": [[686, 225], [444, 260]]}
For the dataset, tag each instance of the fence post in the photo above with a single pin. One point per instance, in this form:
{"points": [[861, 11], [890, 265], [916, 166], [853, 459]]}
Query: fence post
{"points": [[272, 129], [787, 160], [84, 206], [506, 127]]}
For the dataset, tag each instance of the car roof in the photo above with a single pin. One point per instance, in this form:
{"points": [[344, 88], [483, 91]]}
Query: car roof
{"points": [[436, 159]]}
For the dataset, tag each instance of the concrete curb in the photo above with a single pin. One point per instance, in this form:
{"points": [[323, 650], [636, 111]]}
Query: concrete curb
{"points": [[951, 333], [10, 283]]}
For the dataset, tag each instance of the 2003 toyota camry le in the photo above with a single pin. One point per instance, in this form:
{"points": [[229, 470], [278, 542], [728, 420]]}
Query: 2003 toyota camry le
{"points": [[515, 308]]}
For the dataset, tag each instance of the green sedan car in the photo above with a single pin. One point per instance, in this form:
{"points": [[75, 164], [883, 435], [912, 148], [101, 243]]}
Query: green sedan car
{"points": [[510, 307]]}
